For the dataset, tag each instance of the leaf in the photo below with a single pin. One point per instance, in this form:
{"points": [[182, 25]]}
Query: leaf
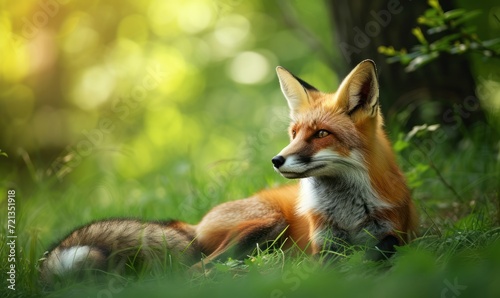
{"points": [[458, 49], [435, 4], [445, 43], [394, 59], [2, 153], [417, 32], [405, 59], [467, 16], [437, 29], [414, 131], [388, 51], [431, 13], [400, 145], [414, 176], [420, 130], [447, 39], [453, 14], [421, 61], [430, 21], [433, 127], [491, 42]]}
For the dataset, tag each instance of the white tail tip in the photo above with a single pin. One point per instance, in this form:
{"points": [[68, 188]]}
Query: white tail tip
{"points": [[69, 259]]}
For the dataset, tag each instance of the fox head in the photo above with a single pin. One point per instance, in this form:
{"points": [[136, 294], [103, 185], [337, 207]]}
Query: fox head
{"points": [[330, 132]]}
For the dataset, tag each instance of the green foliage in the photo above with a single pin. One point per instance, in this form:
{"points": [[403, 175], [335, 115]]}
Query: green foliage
{"points": [[448, 33], [447, 250], [204, 135], [411, 140]]}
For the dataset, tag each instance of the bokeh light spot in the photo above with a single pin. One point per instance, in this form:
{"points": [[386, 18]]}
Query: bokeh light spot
{"points": [[249, 68], [232, 30], [194, 17], [94, 88]]}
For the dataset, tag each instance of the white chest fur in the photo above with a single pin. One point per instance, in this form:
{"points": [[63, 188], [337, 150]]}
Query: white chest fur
{"points": [[346, 202]]}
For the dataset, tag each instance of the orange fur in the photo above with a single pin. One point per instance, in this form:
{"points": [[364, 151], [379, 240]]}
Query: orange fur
{"points": [[352, 118]]}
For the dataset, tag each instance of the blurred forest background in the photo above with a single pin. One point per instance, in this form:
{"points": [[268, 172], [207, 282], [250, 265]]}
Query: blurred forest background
{"points": [[134, 88], [163, 109]]}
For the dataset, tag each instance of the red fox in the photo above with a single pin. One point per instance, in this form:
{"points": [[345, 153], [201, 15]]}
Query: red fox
{"points": [[351, 192]]}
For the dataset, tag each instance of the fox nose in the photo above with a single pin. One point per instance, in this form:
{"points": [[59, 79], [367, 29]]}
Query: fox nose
{"points": [[278, 161]]}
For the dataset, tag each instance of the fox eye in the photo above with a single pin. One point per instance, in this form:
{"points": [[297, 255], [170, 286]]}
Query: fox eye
{"points": [[322, 133], [294, 133]]}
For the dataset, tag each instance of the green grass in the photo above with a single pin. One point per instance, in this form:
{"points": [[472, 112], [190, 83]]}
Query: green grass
{"points": [[458, 253]]}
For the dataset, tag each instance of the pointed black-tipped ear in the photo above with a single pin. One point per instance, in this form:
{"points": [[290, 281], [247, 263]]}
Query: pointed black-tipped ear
{"points": [[359, 90], [295, 90]]}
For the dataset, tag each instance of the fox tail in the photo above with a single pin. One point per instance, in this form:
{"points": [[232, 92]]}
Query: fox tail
{"points": [[114, 243]]}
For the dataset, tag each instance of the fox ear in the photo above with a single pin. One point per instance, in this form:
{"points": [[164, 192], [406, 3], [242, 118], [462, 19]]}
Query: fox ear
{"points": [[359, 90], [296, 91]]}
